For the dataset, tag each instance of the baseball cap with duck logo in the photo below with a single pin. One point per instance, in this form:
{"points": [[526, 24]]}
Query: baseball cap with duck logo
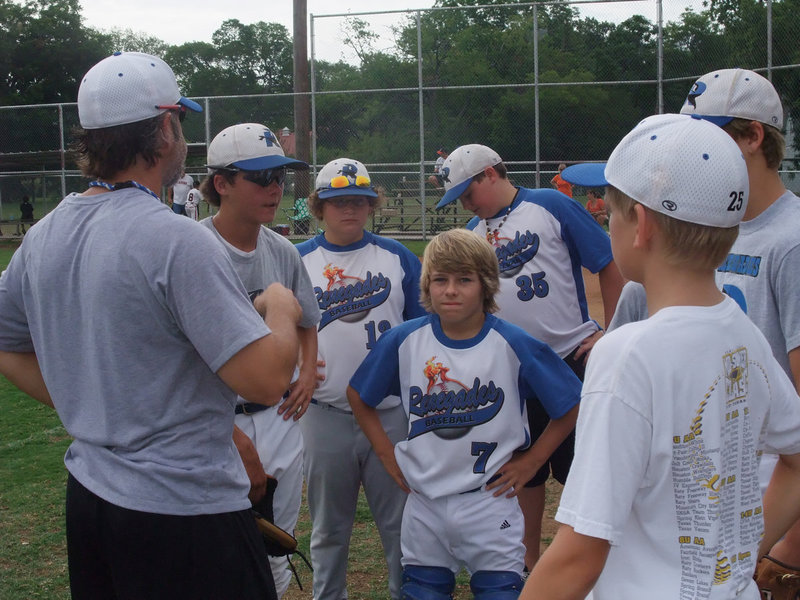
{"points": [[721, 96], [679, 165], [461, 166], [128, 87], [344, 177], [248, 147]]}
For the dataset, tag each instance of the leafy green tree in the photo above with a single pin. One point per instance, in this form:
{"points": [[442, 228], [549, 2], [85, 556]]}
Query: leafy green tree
{"points": [[128, 40], [31, 35], [259, 54]]}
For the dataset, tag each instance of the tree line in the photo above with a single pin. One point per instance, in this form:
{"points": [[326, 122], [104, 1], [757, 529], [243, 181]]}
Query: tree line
{"points": [[45, 47]]}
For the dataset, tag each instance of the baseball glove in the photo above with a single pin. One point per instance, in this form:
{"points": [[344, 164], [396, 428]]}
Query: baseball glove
{"points": [[277, 541], [776, 580]]}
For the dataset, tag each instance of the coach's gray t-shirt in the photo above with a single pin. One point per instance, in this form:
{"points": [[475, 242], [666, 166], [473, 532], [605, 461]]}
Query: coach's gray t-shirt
{"points": [[129, 335], [275, 259]]}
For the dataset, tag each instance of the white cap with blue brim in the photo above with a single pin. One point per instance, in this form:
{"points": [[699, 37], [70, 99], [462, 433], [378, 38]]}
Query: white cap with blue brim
{"points": [[128, 87], [248, 147], [461, 166], [678, 165]]}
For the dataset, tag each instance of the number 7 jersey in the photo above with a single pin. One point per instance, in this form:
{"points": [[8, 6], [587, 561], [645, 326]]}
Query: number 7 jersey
{"points": [[362, 291], [465, 399]]}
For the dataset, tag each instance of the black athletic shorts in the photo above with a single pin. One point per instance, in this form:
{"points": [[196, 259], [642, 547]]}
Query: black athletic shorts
{"points": [[561, 460], [125, 554]]}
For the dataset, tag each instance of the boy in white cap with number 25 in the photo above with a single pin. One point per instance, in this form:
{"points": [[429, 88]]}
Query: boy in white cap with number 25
{"points": [[663, 498]]}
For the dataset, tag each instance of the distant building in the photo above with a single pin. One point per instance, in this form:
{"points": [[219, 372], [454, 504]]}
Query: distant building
{"points": [[287, 141]]}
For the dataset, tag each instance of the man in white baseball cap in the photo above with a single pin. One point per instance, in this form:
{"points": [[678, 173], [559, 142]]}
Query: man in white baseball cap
{"points": [[761, 269], [246, 175], [541, 238], [142, 354], [663, 497]]}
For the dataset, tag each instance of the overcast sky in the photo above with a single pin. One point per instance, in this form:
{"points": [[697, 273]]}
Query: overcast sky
{"points": [[179, 22]]}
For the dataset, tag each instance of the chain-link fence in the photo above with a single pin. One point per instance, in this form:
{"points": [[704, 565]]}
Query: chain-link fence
{"points": [[542, 83]]}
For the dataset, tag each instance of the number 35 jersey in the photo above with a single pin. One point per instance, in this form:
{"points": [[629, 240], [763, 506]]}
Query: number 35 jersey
{"points": [[541, 246], [465, 399], [362, 290]]}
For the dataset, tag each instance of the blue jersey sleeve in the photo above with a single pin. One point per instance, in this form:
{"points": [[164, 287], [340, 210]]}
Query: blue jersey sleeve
{"points": [[413, 269], [542, 372], [378, 374], [585, 239]]}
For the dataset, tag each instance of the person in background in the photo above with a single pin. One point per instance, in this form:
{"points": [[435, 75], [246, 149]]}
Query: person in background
{"points": [[179, 192], [25, 215], [193, 200], [437, 179], [562, 186], [596, 206]]}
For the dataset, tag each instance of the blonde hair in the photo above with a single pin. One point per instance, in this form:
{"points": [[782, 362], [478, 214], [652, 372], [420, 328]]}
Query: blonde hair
{"points": [[315, 203], [701, 246], [461, 251]]}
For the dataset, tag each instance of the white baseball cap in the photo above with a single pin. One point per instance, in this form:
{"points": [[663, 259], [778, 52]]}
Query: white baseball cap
{"points": [[128, 87], [461, 166], [344, 177], [249, 147], [721, 96], [678, 165]]}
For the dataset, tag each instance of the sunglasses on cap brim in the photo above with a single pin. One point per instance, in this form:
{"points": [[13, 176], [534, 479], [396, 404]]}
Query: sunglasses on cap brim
{"points": [[342, 181]]}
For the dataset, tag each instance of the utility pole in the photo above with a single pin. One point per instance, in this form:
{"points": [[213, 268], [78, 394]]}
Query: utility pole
{"points": [[302, 99]]}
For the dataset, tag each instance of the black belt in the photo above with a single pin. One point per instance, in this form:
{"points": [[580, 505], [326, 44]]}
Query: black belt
{"points": [[249, 408]]}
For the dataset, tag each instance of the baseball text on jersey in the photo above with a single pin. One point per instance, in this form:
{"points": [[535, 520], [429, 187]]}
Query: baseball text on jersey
{"points": [[347, 295], [448, 408]]}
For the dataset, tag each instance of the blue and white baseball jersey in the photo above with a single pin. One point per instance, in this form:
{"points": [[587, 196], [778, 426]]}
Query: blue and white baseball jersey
{"points": [[541, 248], [465, 399], [362, 290]]}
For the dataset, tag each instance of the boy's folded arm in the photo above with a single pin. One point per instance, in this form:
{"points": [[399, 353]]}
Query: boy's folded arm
{"points": [[370, 423], [568, 569]]}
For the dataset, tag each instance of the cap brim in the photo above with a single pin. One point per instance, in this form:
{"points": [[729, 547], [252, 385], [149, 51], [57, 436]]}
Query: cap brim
{"points": [[190, 104], [268, 162], [586, 174], [454, 193], [718, 121], [350, 190]]}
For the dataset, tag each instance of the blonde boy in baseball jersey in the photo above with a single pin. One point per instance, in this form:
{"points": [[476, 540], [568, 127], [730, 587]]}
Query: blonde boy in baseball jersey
{"points": [[663, 500], [463, 376]]}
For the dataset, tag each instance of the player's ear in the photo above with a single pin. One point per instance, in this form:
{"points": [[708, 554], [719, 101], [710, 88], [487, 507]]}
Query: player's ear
{"points": [[645, 225], [221, 184]]}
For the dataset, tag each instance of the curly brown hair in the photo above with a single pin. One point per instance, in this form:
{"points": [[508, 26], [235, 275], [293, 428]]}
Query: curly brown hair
{"points": [[101, 153]]}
